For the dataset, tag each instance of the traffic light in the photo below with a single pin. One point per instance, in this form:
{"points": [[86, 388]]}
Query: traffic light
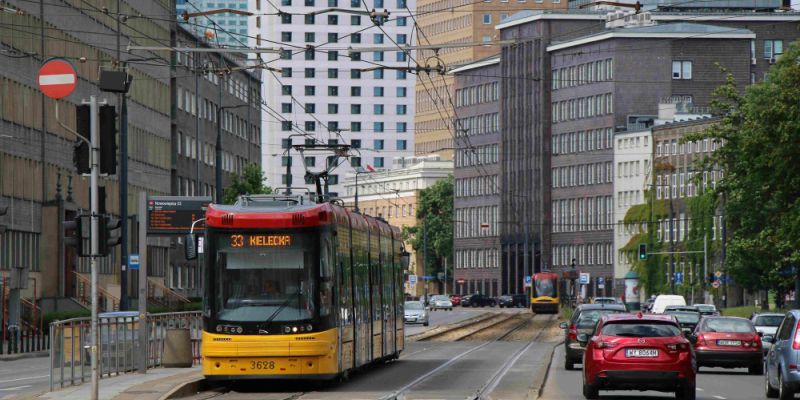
{"points": [[80, 154], [73, 234], [107, 236], [3, 211], [108, 140], [643, 251]]}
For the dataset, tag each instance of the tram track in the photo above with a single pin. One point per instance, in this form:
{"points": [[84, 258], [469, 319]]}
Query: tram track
{"points": [[498, 375], [470, 329]]}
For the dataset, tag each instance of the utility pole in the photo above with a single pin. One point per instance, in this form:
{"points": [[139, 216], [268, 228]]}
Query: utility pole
{"points": [[705, 268], [95, 230], [425, 259], [671, 247], [123, 177], [724, 244]]}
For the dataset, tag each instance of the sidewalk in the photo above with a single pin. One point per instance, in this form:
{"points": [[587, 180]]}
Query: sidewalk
{"points": [[152, 386]]}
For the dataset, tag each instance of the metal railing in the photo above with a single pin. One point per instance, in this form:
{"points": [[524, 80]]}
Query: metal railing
{"points": [[160, 294], [83, 291], [119, 344]]}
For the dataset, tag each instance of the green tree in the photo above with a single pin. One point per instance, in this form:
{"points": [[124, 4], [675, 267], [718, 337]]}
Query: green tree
{"points": [[761, 190], [435, 212], [250, 181]]}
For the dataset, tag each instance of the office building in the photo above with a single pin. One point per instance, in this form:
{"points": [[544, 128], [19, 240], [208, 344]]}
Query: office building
{"points": [[224, 29]]}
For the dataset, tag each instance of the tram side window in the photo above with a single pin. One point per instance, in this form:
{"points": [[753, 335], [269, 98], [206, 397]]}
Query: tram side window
{"points": [[326, 262]]}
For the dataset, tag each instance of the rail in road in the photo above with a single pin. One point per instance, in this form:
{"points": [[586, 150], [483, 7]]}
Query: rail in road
{"points": [[477, 359]]}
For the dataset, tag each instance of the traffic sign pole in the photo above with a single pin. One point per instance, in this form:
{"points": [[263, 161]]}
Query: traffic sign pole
{"points": [[95, 232]]}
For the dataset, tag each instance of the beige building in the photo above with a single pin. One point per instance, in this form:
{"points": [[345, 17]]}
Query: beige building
{"points": [[393, 193], [464, 22]]}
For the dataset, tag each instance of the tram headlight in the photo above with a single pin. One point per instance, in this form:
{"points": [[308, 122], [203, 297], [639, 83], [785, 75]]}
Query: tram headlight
{"points": [[219, 328], [287, 329], [239, 329], [308, 328], [294, 329]]}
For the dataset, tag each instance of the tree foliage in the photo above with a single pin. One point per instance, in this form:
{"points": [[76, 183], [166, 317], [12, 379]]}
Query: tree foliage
{"points": [[250, 181], [760, 194], [435, 212]]}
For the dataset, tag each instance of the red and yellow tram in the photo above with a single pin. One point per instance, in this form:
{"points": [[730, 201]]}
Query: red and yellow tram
{"points": [[299, 290]]}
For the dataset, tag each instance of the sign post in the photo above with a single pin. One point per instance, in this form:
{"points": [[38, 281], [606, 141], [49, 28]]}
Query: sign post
{"points": [[528, 281], [143, 345]]}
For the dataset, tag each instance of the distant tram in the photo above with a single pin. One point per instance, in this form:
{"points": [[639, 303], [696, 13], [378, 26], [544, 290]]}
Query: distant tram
{"points": [[297, 289], [544, 296]]}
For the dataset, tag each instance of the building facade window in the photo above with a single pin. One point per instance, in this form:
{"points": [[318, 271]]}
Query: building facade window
{"points": [[681, 70]]}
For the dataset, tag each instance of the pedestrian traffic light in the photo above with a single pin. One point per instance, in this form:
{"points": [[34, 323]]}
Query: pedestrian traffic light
{"points": [[643, 251], [107, 237], [108, 140], [72, 234], [3, 211], [80, 154]]}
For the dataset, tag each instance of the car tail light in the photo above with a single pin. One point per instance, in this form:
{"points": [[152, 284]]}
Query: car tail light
{"points": [[678, 347], [605, 345], [701, 340], [796, 342], [573, 332]]}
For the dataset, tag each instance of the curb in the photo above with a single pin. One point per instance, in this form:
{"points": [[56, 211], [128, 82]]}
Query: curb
{"points": [[536, 389], [185, 389], [20, 356]]}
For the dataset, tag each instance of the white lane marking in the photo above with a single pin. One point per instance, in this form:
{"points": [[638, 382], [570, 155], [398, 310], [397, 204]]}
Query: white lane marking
{"points": [[60, 79], [719, 397], [25, 379], [14, 388]]}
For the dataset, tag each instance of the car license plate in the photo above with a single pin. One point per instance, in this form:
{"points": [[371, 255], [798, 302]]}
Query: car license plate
{"points": [[729, 342], [641, 353]]}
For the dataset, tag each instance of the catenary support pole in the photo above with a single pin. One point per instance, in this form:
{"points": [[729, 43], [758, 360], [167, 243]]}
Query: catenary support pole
{"points": [[141, 355], [95, 230]]}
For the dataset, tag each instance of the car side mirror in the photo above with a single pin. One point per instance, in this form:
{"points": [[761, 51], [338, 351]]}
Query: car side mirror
{"points": [[562, 325], [691, 338], [768, 339], [190, 247], [760, 334], [583, 339]]}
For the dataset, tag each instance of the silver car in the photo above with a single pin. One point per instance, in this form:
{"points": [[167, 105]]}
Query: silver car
{"points": [[782, 378], [767, 325], [416, 313], [441, 302]]}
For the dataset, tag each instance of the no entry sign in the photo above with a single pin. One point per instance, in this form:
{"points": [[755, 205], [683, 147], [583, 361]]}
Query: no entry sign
{"points": [[57, 78]]}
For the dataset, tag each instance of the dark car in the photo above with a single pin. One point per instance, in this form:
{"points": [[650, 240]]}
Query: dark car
{"points": [[512, 300], [583, 320], [478, 300], [707, 309], [681, 308], [688, 320]]}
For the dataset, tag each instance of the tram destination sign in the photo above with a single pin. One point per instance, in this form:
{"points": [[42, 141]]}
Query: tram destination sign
{"points": [[174, 215]]}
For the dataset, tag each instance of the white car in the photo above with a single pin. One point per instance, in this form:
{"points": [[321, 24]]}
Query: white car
{"points": [[414, 312], [441, 302], [767, 325]]}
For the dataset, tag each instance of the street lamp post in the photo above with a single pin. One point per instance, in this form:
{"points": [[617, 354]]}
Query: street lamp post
{"points": [[359, 170], [218, 162]]}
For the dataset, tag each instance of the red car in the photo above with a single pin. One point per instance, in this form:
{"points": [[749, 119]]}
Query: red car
{"points": [[728, 342], [638, 352], [455, 299]]}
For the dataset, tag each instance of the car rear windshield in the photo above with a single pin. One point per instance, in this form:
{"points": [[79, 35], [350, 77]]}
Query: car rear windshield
{"points": [[641, 329], [588, 318], [686, 317], [728, 325], [702, 308], [769, 320]]}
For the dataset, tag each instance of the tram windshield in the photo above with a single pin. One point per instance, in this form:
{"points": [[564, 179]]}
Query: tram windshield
{"points": [[265, 277], [544, 287]]}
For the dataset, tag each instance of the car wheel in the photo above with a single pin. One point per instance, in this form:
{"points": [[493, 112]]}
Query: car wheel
{"points": [[426, 323], [686, 392], [784, 392], [770, 391], [568, 364], [590, 392], [756, 369]]}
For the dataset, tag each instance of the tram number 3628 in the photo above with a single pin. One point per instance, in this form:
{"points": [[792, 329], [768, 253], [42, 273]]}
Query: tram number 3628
{"points": [[262, 364]]}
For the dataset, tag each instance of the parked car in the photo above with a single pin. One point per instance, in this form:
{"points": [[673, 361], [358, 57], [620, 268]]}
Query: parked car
{"points": [[728, 342], [781, 380], [478, 300], [638, 352], [441, 302], [707, 309], [455, 299], [512, 300], [584, 320], [416, 313], [687, 320], [767, 324], [605, 300], [662, 301]]}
